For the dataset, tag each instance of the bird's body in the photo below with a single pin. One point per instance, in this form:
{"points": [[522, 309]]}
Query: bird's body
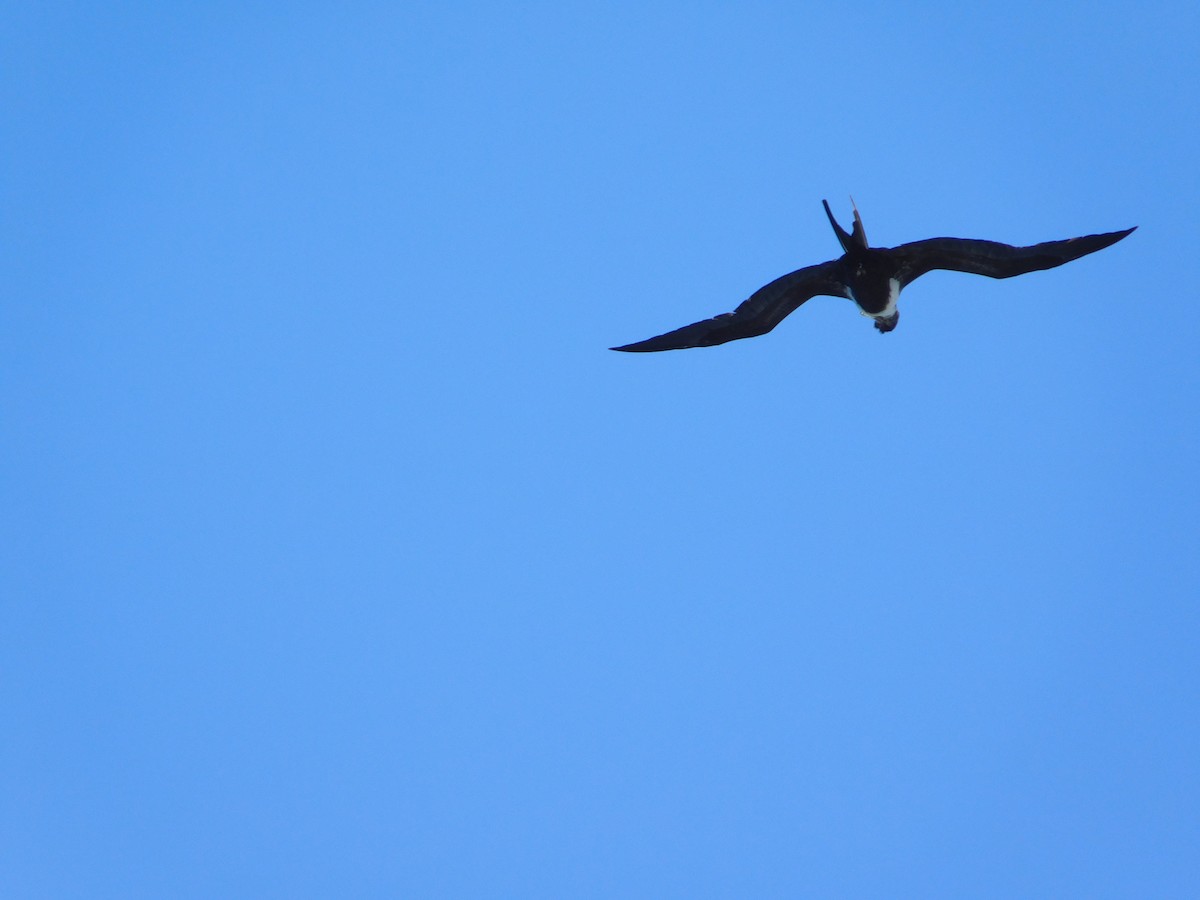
{"points": [[873, 278]]}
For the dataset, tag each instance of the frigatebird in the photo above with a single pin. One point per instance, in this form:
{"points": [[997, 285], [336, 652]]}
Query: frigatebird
{"points": [[873, 278]]}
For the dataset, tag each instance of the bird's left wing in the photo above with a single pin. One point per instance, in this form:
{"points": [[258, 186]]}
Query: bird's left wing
{"points": [[994, 259], [766, 308]]}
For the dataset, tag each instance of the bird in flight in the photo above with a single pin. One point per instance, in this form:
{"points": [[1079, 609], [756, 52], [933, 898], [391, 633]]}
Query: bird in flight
{"points": [[873, 278]]}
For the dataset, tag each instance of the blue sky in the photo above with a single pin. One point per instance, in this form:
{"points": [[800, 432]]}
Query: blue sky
{"points": [[341, 558]]}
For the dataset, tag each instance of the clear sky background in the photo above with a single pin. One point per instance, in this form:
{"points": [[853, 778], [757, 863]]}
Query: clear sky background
{"points": [[341, 558]]}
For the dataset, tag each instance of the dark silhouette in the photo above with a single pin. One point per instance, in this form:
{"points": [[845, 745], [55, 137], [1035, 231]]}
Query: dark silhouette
{"points": [[873, 278]]}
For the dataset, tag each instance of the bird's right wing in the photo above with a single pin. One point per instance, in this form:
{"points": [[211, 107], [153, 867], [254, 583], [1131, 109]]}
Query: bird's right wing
{"points": [[766, 308], [991, 258]]}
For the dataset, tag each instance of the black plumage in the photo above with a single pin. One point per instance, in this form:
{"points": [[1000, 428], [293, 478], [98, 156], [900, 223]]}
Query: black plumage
{"points": [[873, 278]]}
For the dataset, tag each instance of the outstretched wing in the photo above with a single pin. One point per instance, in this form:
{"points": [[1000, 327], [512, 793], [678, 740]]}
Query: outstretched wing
{"points": [[766, 308], [994, 259]]}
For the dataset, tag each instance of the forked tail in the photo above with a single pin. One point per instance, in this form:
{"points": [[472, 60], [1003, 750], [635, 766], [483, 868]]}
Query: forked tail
{"points": [[857, 240]]}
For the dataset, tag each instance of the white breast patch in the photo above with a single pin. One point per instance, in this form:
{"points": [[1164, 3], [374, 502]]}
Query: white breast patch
{"points": [[890, 309], [893, 296]]}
